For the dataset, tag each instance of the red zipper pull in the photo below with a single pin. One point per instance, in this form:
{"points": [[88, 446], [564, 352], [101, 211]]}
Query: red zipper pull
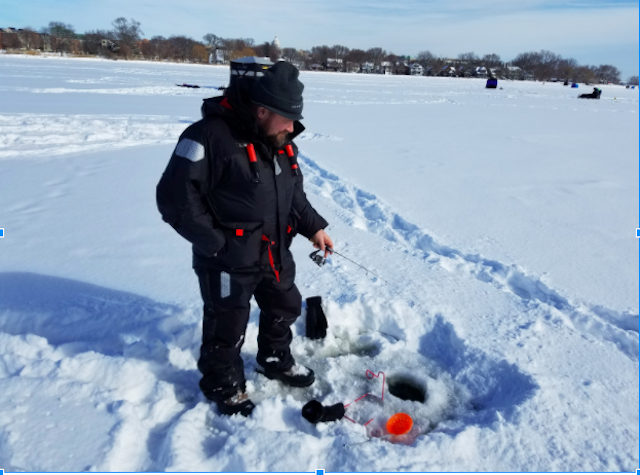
{"points": [[289, 150], [253, 162], [252, 153], [292, 159]]}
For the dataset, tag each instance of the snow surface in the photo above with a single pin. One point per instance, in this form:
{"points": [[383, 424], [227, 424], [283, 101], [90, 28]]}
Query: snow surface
{"points": [[496, 227]]}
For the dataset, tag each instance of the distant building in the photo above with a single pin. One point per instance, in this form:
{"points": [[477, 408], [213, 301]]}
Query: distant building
{"points": [[448, 70], [480, 72], [367, 68], [417, 69], [386, 67], [334, 64]]}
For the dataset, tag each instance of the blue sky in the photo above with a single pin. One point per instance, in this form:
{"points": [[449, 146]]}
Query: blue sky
{"points": [[591, 31]]}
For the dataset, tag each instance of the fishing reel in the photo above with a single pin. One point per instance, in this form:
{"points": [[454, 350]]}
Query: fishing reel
{"points": [[318, 258]]}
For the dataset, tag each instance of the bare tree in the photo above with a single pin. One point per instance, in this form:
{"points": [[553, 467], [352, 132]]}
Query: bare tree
{"points": [[468, 58], [182, 46], [376, 56], [491, 60], [544, 64], [11, 41], [199, 53], [527, 61], [425, 58], [213, 41], [126, 32], [585, 74], [92, 41], [234, 48], [30, 39], [549, 64], [339, 53], [395, 63], [320, 55], [262, 49], [567, 69], [59, 30], [633, 80], [356, 57], [608, 73], [241, 53], [290, 54]]}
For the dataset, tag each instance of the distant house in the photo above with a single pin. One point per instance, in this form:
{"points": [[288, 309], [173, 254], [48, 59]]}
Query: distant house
{"points": [[386, 67], [480, 72], [428, 71], [416, 69], [367, 68], [448, 70], [216, 55], [515, 72], [334, 64], [353, 67], [403, 68], [496, 73], [464, 72]]}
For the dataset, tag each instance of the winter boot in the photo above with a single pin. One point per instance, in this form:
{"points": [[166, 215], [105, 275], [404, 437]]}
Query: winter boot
{"points": [[316, 321], [297, 376], [239, 403]]}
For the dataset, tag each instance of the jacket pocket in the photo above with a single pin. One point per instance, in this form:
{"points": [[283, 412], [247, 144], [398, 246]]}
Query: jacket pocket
{"points": [[243, 244]]}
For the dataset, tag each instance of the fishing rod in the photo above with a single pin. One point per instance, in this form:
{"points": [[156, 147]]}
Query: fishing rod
{"points": [[321, 260]]}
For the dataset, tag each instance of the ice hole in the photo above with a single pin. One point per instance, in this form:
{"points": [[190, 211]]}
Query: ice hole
{"points": [[407, 390]]}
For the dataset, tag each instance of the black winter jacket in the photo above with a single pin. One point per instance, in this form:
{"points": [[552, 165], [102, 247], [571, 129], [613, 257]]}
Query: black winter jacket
{"points": [[208, 193]]}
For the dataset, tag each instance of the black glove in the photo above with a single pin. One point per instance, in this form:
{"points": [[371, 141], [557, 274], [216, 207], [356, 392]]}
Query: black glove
{"points": [[316, 323], [315, 412]]}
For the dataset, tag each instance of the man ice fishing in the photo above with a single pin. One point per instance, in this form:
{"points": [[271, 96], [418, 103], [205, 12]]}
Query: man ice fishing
{"points": [[233, 188]]}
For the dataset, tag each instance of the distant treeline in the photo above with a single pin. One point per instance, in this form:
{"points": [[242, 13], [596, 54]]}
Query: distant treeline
{"points": [[125, 40]]}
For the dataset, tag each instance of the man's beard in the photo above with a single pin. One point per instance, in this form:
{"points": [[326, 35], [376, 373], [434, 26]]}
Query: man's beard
{"points": [[279, 139]]}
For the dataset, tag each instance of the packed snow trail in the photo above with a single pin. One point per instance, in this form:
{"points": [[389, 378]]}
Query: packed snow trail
{"points": [[368, 212]]}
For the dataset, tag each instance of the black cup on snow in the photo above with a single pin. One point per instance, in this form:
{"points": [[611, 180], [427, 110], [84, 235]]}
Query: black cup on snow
{"points": [[315, 412]]}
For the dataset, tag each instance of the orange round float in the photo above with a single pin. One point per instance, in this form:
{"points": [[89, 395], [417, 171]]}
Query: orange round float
{"points": [[399, 424]]}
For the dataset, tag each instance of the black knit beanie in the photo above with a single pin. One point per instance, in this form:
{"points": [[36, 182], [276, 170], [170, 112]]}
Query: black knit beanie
{"points": [[280, 90]]}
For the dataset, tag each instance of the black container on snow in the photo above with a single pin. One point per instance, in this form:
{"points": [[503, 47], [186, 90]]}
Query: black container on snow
{"points": [[249, 66]]}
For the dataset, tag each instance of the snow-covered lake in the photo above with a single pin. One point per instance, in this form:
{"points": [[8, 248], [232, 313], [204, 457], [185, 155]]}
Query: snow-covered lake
{"points": [[497, 227]]}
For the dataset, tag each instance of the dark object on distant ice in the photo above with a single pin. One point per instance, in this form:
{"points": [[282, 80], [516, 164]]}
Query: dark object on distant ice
{"points": [[492, 83], [566, 83], [594, 95], [193, 86], [250, 66], [315, 412], [574, 85], [316, 321]]}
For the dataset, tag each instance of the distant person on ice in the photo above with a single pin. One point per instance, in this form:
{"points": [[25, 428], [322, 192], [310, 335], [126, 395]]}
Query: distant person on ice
{"points": [[234, 190], [594, 95]]}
